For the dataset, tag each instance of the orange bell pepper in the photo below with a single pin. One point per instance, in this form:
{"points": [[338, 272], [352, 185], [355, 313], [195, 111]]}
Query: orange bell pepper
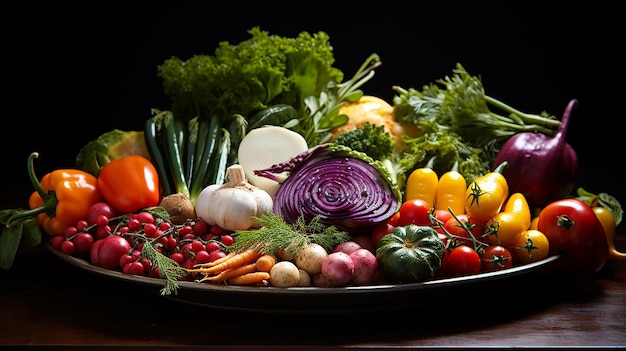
{"points": [[62, 198], [130, 183]]}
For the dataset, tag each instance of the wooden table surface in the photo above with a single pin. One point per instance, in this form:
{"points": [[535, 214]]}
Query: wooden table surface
{"points": [[47, 302]]}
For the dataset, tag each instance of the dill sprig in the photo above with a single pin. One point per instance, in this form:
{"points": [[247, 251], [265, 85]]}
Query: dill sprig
{"points": [[274, 234], [169, 270]]}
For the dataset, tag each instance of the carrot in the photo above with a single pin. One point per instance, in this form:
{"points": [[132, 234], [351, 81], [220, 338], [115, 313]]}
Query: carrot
{"points": [[218, 261], [249, 278], [230, 273], [236, 260], [265, 263]]}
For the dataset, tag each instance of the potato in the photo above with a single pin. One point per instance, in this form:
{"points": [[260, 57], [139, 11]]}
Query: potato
{"points": [[305, 278], [310, 258], [284, 274]]}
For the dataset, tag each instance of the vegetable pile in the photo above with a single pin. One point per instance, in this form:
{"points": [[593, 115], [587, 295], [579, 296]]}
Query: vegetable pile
{"points": [[271, 170]]}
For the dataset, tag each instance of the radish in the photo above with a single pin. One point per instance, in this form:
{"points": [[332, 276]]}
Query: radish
{"points": [[337, 270], [365, 266], [347, 247]]}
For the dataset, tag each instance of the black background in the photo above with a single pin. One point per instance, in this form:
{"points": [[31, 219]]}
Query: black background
{"points": [[74, 72]]}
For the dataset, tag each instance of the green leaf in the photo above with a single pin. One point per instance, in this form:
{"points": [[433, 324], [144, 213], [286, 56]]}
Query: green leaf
{"points": [[31, 233], [9, 243]]}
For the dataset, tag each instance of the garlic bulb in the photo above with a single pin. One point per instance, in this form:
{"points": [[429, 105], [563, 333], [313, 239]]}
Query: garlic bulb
{"points": [[234, 204]]}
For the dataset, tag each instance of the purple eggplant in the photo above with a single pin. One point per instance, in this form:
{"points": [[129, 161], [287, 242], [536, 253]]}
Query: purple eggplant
{"points": [[543, 168]]}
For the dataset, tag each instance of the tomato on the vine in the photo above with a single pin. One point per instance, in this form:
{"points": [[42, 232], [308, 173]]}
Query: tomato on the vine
{"points": [[415, 211], [505, 227], [495, 258], [463, 260], [530, 246], [442, 217], [573, 228], [457, 228]]}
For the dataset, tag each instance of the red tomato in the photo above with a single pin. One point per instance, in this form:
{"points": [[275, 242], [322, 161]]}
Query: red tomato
{"points": [[416, 211], [443, 270], [380, 231], [457, 230], [495, 258], [442, 216], [463, 260], [573, 228], [394, 220]]}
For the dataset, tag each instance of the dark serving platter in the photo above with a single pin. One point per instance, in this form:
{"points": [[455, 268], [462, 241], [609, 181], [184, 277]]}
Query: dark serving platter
{"points": [[313, 300]]}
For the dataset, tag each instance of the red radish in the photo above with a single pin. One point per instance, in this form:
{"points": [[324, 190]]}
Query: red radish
{"points": [[347, 247], [542, 168], [365, 266], [337, 270]]}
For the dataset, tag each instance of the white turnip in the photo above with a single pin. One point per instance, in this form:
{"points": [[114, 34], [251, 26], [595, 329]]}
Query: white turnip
{"points": [[365, 266]]}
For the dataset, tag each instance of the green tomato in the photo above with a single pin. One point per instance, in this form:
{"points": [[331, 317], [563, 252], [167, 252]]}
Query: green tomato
{"points": [[410, 254]]}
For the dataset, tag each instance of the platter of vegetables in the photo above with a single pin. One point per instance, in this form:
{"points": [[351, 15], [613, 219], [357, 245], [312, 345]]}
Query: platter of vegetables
{"points": [[273, 183]]}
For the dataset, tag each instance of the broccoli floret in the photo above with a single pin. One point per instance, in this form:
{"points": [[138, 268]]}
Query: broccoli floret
{"points": [[370, 139], [374, 141]]}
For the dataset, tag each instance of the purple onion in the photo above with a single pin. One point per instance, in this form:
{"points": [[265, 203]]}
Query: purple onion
{"points": [[344, 187], [541, 167]]}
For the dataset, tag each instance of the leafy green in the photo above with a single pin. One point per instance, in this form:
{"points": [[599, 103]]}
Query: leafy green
{"points": [[602, 199], [455, 113], [376, 142], [24, 231], [274, 234], [265, 70], [169, 270]]}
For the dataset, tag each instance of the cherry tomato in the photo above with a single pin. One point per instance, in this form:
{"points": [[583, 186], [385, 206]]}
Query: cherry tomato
{"points": [[443, 270], [380, 231], [572, 227], [395, 219], [415, 211], [458, 231], [463, 260], [530, 246], [100, 208], [495, 258], [533, 223], [505, 227], [442, 216]]}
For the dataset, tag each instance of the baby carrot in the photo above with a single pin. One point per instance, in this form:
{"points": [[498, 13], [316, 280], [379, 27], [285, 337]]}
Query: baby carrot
{"points": [[236, 260], [230, 273], [218, 261], [265, 263], [249, 278]]}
